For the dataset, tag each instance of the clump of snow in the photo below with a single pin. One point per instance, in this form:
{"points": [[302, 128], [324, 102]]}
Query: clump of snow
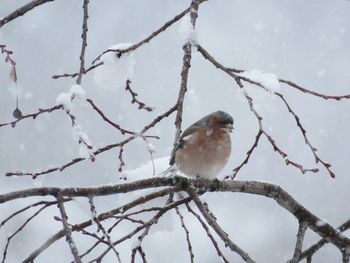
{"points": [[151, 148], [77, 91], [78, 134], [268, 80], [115, 70], [186, 30], [320, 223], [136, 243], [83, 139], [66, 98]]}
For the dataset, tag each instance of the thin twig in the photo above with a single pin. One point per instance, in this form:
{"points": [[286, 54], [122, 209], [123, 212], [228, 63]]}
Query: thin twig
{"points": [[275, 147], [34, 175], [148, 38], [119, 52], [67, 230], [73, 75], [45, 205], [121, 161], [234, 74], [32, 115], [212, 222], [9, 59], [249, 153], [307, 141], [323, 96], [148, 224], [100, 227], [141, 105], [22, 10], [84, 42], [186, 64], [106, 119], [308, 253], [207, 230], [189, 245], [102, 216]]}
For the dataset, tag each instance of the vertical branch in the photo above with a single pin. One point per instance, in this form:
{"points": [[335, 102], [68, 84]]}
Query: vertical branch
{"points": [[299, 244], [185, 69], [100, 227], [84, 42], [206, 228], [67, 230], [221, 233], [189, 245]]}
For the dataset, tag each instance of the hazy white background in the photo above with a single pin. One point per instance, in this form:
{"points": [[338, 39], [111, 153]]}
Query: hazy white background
{"points": [[304, 41]]}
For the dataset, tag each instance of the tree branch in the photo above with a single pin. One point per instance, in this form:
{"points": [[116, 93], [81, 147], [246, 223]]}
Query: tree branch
{"points": [[67, 230], [187, 233], [22, 10], [299, 243], [206, 229], [98, 151], [186, 64], [84, 42], [308, 253], [212, 222]]}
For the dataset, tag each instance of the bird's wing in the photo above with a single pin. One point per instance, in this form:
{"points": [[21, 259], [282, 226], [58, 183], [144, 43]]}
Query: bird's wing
{"points": [[183, 138]]}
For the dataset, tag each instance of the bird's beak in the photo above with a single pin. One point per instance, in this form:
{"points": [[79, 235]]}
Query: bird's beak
{"points": [[229, 127]]}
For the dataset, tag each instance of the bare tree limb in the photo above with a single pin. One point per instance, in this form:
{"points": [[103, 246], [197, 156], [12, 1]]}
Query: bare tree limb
{"points": [[100, 217], [186, 64], [84, 42], [212, 222], [149, 223], [141, 105], [314, 248], [100, 227], [67, 230], [276, 148], [22, 10], [307, 91], [32, 115], [106, 119], [284, 199], [98, 151], [307, 141], [187, 233], [234, 73], [150, 37], [45, 205], [206, 229], [249, 153], [299, 243]]}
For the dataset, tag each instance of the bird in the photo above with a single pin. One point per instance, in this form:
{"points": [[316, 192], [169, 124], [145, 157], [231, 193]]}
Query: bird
{"points": [[204, 148]]}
